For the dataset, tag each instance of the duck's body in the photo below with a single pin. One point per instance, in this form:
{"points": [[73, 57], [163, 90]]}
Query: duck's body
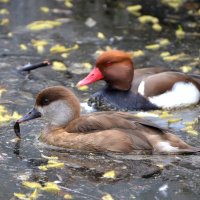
{"points": [[99, 132], [141, 89]]}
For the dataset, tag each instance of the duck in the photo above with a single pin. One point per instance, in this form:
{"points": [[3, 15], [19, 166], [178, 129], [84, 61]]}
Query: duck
{"points": [[139, 89], [106, 131]]}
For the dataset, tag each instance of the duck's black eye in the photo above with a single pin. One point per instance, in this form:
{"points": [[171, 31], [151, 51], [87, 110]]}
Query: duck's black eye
{"points": [[45, 102]]}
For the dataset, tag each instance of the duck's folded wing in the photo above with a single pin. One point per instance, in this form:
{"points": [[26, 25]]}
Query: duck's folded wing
{"points": [[109, 120]]}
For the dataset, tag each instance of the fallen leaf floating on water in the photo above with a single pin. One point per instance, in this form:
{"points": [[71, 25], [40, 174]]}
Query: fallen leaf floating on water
{"points": [[68, 196], [23, 47], [64, 55], [174, 120], [43, 24], [44, 9], [34, 195], [176, 4], [87, 65], [52, 164], [4, 22], [107, 197], [83, 88], [134, 9], [148, 19], [176, 57], [51, 187], [152, 47], [163, 42], [192, 123], [101, 36], [90, 22], [137, 53], [59, 66], [10, 34], [4, 12], [180, 34], [190, 130], [33, 185], [165, 114], [20, 196], [110, 174], [63, 49], [157, 27], [39, 45], [2, 90], [68, 3], [4, 1], [186, 68], [164, 54]]}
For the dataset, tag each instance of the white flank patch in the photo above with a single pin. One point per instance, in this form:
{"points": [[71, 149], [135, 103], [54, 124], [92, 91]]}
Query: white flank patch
{"points": [[86, 109], [181, 95], [166, 147], [141, 88]]}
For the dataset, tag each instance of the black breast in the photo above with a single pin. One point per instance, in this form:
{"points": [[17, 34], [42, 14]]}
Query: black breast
{"points": [[112, 99]]}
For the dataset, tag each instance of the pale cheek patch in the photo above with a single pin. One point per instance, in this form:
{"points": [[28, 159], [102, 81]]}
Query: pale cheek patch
{"points": [[181, 95], [165, 147]]}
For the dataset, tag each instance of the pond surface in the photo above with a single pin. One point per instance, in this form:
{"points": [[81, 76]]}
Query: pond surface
{"points": [[137, 176]]}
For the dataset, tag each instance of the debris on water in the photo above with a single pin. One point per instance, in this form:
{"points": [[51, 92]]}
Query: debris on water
{"points": [[163, 190], [30, 67], [17, 129], [90, 22]]}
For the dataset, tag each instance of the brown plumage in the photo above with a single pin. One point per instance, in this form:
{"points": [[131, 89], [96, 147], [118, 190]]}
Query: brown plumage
{"points": [[101, 131]]}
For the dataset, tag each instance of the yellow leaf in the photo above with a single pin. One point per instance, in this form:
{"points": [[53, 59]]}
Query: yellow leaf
{"points": [[34, 195], [68, 196], [165, 114], [4, 22], [51, 187], [4, 11], [148, 18], [174, 57], [34, 185], [101, 36], [68, 3], [110, 174], [4, 1], [107, 197], [55, 164], [43, 167], [134, 9], [16, 115], [173, 3], [180, 34], [23, 47], [174, 120], [2, 90], [164, 54], [44, 9], [87, 65], [157, 27], [59, 66], [64, 55], [191, 123], [20, 195], [83, 88], [192, 132], [137, 53], [164, 42], [62, 49], [186, 68], [43, 24], [36, 43], [10, 34], [152, 47]]}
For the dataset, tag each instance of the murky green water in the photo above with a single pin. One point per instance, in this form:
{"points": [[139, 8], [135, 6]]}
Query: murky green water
{"points": [[137, 175]]}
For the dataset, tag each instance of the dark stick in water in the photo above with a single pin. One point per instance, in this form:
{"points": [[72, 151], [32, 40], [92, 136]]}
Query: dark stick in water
{"points": [[30, 67], [17, 129]]}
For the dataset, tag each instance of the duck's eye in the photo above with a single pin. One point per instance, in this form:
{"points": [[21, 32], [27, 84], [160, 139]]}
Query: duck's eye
{"points": [[108, 64], [45, 101]]}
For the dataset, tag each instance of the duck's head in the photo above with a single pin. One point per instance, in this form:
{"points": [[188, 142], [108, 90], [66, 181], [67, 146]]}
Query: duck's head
{"points": [[57, 104], [113, 66]]}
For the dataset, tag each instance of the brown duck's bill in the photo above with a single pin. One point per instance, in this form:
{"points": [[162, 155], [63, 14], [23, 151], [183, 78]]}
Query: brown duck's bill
{"points": [[32, 114]]}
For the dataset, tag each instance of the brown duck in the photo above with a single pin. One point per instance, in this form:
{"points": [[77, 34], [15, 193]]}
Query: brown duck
{"points": [[101, 131]]}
